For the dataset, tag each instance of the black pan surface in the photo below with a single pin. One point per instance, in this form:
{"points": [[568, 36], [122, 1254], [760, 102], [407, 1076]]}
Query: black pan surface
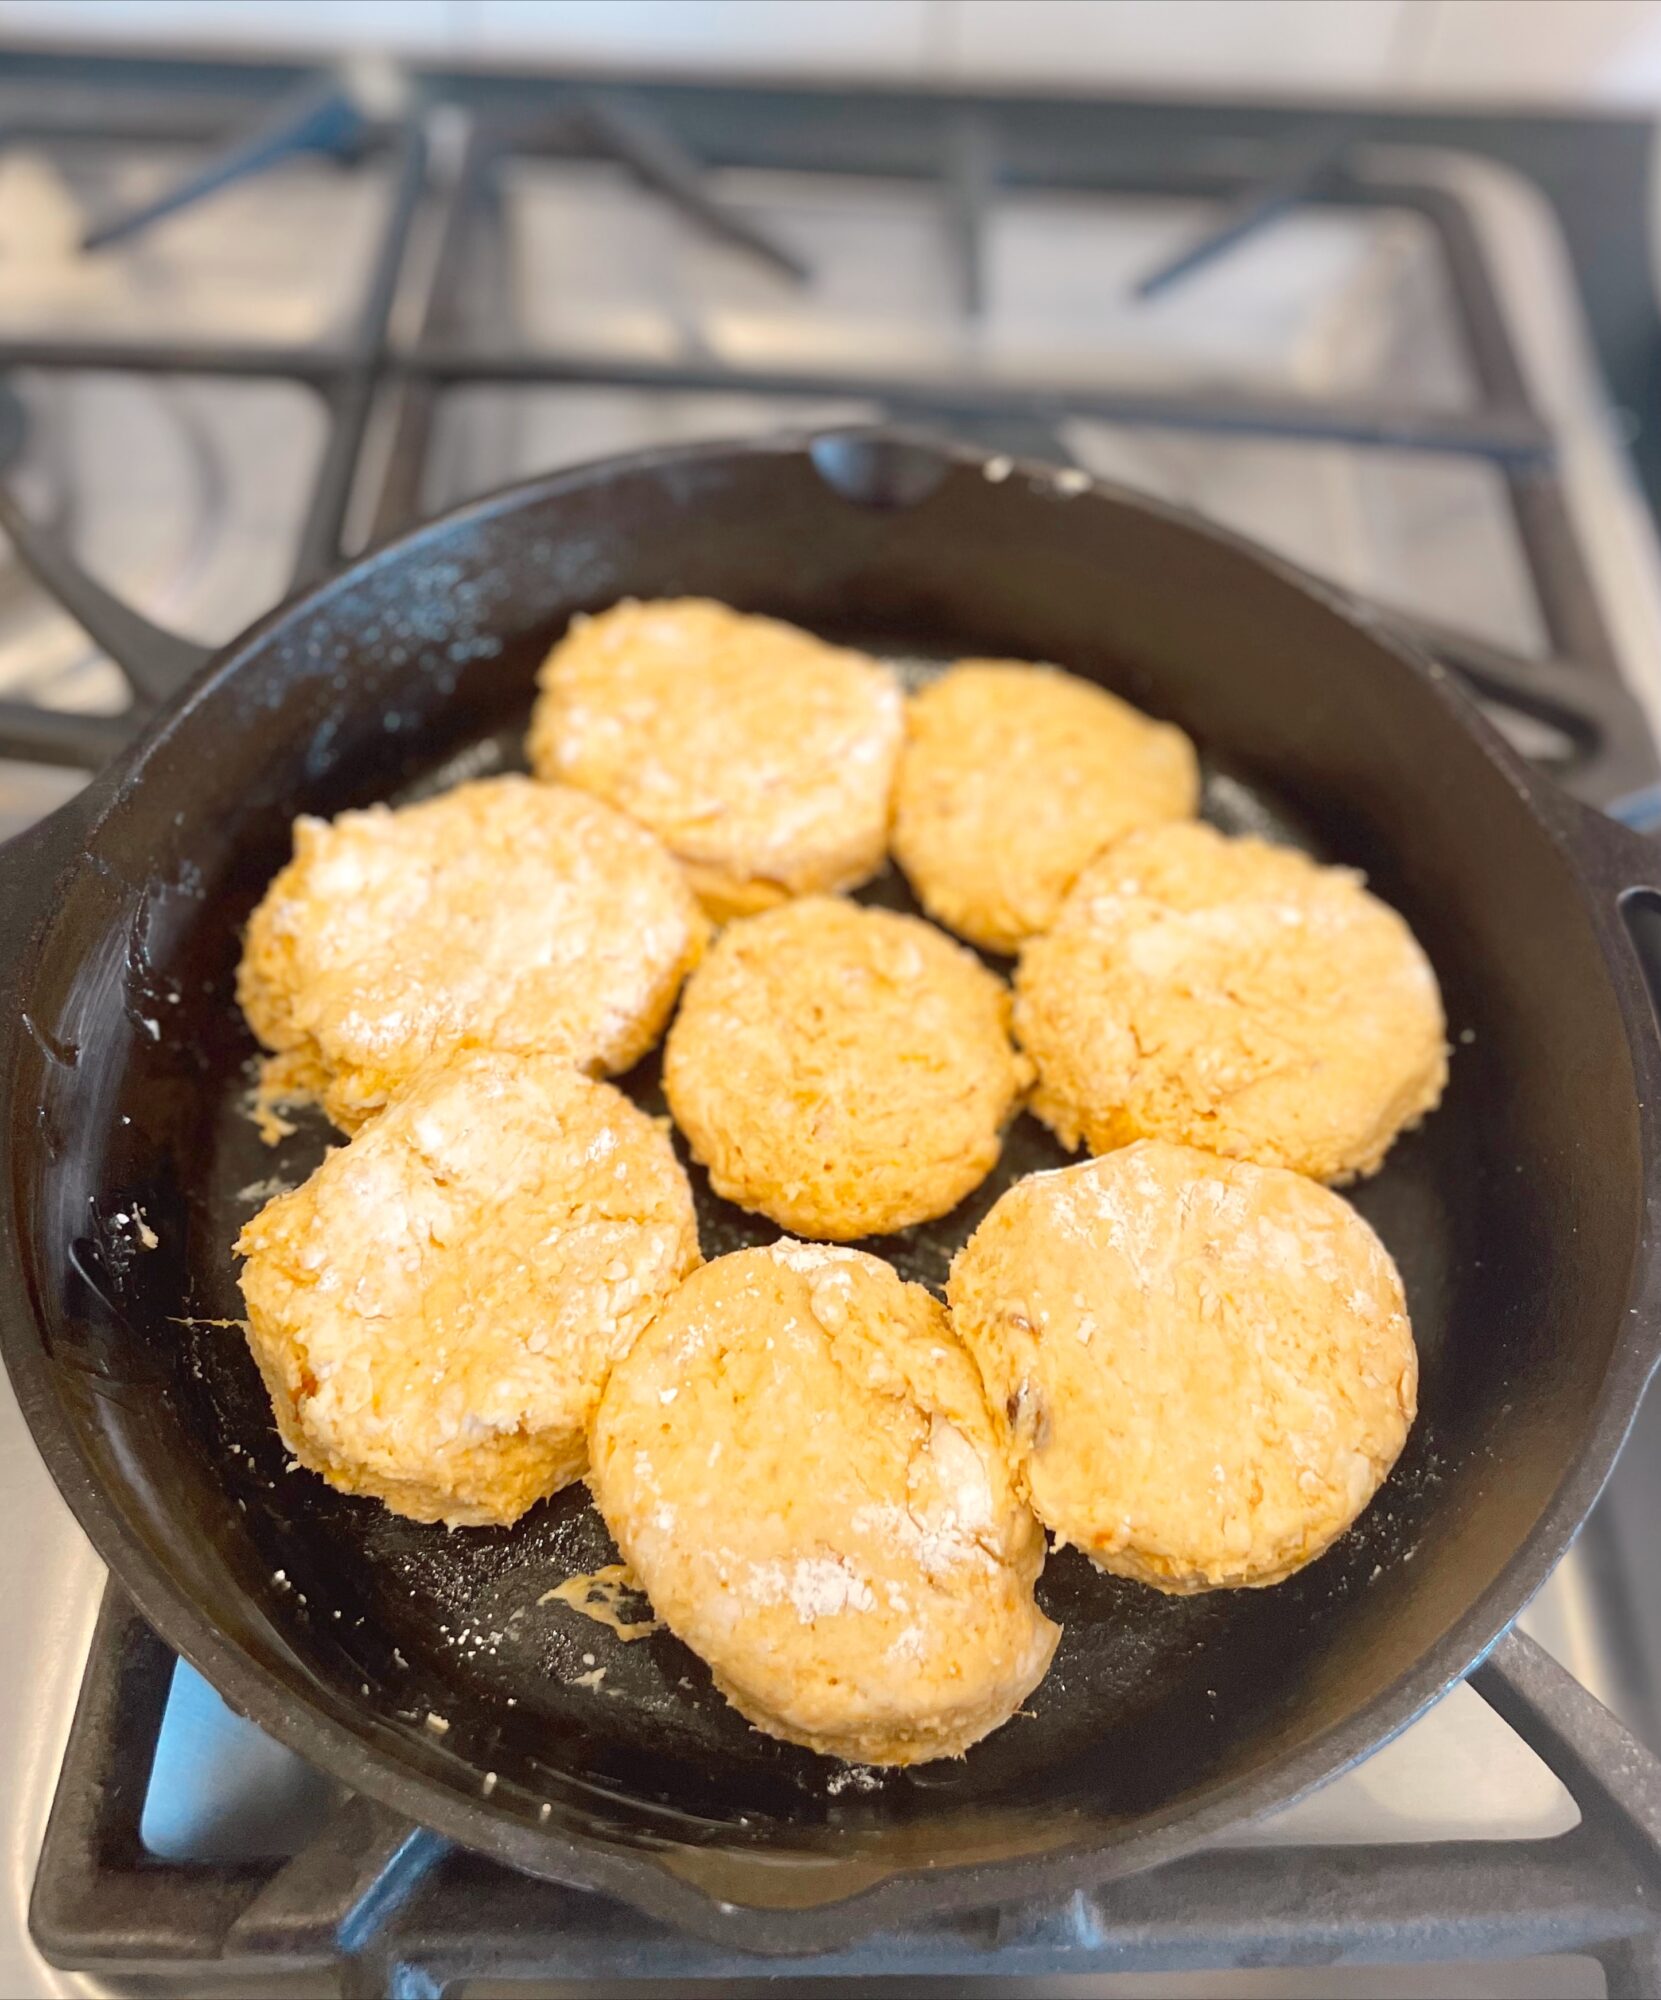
{"points": [[423, 1665]]}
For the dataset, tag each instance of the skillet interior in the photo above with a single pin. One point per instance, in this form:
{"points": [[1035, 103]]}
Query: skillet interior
{"points": [[1513, 1214]]}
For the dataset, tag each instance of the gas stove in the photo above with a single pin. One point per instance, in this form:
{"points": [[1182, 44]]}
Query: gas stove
{"points": [[255, 318]]}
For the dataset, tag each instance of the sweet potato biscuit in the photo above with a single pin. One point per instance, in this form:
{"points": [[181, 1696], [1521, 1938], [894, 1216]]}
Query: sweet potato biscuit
{"points": [[434, 1311], [1235, 996], [843, 1070], [1012, 779], [505, 914], [762, 757], [1203, 1369], [797, 1461]]}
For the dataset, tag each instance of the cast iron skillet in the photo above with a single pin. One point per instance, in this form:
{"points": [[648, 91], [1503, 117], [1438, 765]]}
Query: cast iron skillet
{"points": [[1521, 1214]]}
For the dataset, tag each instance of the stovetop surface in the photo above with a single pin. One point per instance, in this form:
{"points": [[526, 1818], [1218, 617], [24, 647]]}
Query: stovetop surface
{"points": [[187, 493]]}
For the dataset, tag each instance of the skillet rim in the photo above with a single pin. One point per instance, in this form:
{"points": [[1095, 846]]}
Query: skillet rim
{"points": [[846, 1897]]}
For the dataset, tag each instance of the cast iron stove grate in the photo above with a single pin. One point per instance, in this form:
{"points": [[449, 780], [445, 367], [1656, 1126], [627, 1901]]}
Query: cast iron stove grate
{"points": [[400, 1914], [970, 150]]}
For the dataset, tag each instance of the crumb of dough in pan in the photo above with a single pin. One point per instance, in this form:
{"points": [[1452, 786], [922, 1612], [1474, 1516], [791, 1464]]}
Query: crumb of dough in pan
{"points": [[510, 915], [604, 1595], [1012, 779], [844, 1070], [1235, 996], [284, 1083], [1202, 1369], [434, 1311], [763, 758], [797, 1461]]}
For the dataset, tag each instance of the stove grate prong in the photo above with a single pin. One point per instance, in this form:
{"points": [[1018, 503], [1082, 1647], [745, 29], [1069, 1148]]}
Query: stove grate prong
{"points": [[327, 115], [1252, 209], [625, 129], [154, 663]]}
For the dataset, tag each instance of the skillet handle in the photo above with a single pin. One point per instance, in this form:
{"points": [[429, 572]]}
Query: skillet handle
{"points": [[1623, 867], [1626, 866], [1616, 855]]}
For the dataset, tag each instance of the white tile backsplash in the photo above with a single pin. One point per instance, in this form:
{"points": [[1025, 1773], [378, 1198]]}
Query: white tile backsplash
{"points": [[1604, 51], [1487, 51], [854, 37], [1286, 46], [421, 27]]}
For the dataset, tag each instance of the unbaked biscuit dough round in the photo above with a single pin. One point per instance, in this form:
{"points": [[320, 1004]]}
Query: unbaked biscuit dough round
{"points": [[797, 1461], [1012, 779], [761, 756], [504, 914], [1235, 996], [1203, 1369], [844, 1070], [435, 1310]]}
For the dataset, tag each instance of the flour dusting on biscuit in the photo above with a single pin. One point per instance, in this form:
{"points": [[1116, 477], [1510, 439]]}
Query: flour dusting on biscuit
{"points": [[525, 918], [797, 1461], [435, 1310], [1202, 1370], [1235, 996], [763, 757]]}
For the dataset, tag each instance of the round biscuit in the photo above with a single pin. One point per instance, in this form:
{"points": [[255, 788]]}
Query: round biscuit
{"points": [[505, 914], [1203, 1369], [434, 1311], [843, 1070], [1013, 778], [797, 1462], [1234, 996], [761, 756]]}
